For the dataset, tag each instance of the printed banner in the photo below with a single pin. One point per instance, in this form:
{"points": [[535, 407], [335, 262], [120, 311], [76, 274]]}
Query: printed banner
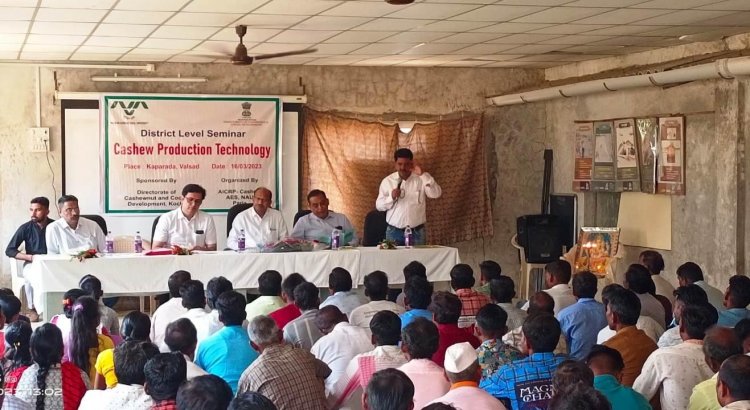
{"points": [[648, 131], [155, 145], [671, 178], [627, 156], [604, 157], [584, 156]]}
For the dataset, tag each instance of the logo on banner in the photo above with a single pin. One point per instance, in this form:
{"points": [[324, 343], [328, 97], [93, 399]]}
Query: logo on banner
{"points": [[129, 109], [246, 109]]}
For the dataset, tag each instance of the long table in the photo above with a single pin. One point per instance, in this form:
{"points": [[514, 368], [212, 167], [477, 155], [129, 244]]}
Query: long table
{"points": [[137, 274]]}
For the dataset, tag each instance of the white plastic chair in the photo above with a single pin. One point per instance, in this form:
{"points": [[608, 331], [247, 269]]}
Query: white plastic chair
{"points": [[526, 268]]}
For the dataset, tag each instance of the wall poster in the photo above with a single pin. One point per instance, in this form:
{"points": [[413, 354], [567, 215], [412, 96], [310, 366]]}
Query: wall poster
{"points": [[584, 156], [627, 156], [671, 162], [604, 157]]}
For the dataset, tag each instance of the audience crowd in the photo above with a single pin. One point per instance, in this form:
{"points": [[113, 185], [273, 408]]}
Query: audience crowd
{"points": [[573, 346]]}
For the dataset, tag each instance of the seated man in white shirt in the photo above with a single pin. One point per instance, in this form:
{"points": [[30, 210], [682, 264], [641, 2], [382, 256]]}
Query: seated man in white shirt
{"points": [[557, 274], [73, 234], [690, 273], [194, 300], [180, 337], [376, 288], [169, 310], [403, 196], [187, 226], [733, 388], [342, 296], [319, 224], [260, 223]]}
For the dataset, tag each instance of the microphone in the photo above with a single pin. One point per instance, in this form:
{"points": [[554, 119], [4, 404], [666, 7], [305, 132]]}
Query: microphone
{"points": [[400, 181]]}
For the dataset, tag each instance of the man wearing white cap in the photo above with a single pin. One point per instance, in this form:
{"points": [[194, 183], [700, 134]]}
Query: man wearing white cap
{"points": [[463, 371]]}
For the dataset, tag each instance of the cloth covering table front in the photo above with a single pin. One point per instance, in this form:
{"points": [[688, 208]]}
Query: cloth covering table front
{"points": [[134, 274]]}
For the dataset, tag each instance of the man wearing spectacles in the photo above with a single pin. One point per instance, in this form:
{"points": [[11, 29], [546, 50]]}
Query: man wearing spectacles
{"points": [[187, 226]]}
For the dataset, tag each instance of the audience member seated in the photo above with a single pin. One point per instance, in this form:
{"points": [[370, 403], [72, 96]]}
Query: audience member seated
{"points": [[164, 373], [251, 401], [446, 312], [690, 273], [579, 397], [557, 275], [689, 295], [261, 223], [290, 311], [719, 344], [736, 299], [109, 320], [341, 341], [540, 303], [72, 234], [376, 288], [181, 337], [419, 341], [194, 300], [9, 292], [742, 329], [227, 353], [418, 293], [623, 308], [302, 331], [672, 372], [342, 296], [62, 321], [187, 226], [10, 311], [654, 262], [85, 343], [269, 287], [386, 335], [389, 389], [135, 327], [169, 310], [733, 389], [215, 287], [607, 365], [502, 292], [50, 374], [489, 270], [291, 378], [463, 371], [493, 352], [17, 356], [207, 392], [649, 326], [638, 279], [320, 222], [581, 321], [130, 360], [413, 268], [541, 333], [462, 281], [571, 373]]}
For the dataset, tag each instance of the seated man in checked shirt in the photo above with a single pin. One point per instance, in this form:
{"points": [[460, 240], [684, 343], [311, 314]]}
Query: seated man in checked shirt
{"points": [[462, 280]]}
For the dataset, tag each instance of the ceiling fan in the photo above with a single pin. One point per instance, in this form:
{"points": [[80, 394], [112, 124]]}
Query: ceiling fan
{"points": [[240, 56]]}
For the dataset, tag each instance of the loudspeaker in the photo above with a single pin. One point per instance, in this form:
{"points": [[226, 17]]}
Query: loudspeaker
{"points": [[565, 207], [539, 235]]}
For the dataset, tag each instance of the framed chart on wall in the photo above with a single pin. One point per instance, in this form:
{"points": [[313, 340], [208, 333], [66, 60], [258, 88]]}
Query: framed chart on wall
{"points": [[671, 160]]}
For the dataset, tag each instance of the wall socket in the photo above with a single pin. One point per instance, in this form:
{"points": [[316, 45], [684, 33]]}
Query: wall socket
{"points": [[38, 139]]}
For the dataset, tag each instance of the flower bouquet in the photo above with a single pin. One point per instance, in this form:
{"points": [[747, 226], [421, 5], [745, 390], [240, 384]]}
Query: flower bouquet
{"points": [[178, 250], [86, 254], [288, 245], [387, 244]]}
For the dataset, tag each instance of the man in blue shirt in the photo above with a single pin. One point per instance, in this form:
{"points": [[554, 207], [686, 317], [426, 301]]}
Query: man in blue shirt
{"points": [[31, 236], [342, 296], [607, 365], [526, 384], [582, 321], [736, 299], [227, 353], [320, 223], [418, 295]]}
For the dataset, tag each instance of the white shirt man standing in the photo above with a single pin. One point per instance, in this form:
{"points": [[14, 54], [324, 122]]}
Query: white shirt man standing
{"points": [[73, 234], [261, 223], [403, 195], [187, 226]]}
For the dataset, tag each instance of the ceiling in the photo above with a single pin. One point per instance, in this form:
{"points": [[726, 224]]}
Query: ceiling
{"points": [[454, 33]]}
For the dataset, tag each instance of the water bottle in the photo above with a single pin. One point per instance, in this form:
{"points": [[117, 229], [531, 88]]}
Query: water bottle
{"points": [[138, 242], [241, 241], [408, 237], [336, 238], [109, 243]]}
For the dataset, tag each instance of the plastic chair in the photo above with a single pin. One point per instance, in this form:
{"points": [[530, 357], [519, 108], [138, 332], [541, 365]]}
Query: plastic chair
{"points": [[299, 215], [124, 244], [375, 226], [526, 268], [99, 221], [233, 212]]}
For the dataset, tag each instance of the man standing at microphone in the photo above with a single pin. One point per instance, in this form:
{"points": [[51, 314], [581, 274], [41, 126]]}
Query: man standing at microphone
{"points": [[403, 195]]}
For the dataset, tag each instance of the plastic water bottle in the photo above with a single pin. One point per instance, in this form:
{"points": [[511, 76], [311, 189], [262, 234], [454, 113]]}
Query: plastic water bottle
{"points": [[408, 237], [241, 241], [109, 243], [138, 242], [336, 238]]}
